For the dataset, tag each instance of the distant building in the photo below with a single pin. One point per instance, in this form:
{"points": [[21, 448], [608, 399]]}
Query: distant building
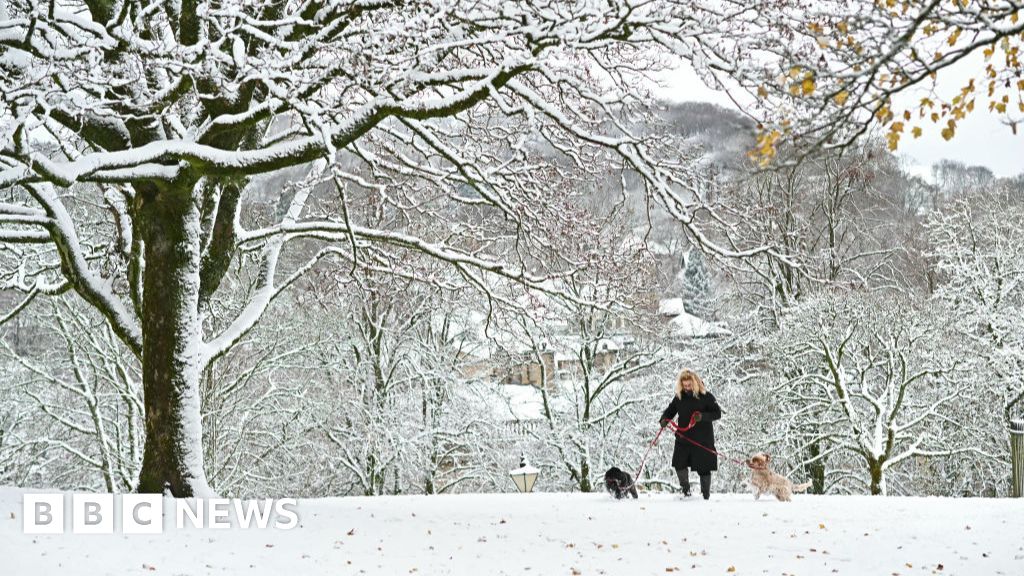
{"points": [[685, 326]]}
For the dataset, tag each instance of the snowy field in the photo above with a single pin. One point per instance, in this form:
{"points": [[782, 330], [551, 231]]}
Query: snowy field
{"points": [[558, 534]]}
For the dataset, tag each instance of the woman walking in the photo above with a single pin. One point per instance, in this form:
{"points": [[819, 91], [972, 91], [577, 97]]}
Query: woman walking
{"points": [[692, 400]]}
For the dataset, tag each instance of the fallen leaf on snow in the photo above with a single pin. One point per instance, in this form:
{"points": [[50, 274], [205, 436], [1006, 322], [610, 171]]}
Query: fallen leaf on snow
{"points": [[730, 569]]}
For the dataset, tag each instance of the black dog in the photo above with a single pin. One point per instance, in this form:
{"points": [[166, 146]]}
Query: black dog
{"points": [[619, 484]]}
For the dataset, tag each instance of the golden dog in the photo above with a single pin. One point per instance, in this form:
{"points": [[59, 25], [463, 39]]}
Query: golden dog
{"points": [[765, 481]]}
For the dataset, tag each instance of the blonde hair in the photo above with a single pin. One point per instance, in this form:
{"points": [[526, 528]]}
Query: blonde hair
{"points": [[688, 374]]}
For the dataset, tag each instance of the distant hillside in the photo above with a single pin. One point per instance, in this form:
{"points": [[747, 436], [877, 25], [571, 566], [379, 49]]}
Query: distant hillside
{"points": [[725, 134]]}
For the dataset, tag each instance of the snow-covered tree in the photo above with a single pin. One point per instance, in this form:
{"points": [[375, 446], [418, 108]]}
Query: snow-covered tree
{"points": [[870, 380], [976, 244], [591, 360], [85, 388], [826, 71], [697, 291], [171, 117]]}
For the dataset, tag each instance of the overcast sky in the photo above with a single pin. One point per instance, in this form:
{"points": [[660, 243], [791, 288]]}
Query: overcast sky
{"points": [[981, 138]]}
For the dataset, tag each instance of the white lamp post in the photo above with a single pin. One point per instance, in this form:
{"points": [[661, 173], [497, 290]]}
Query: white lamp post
{"points": [[525, 476]]}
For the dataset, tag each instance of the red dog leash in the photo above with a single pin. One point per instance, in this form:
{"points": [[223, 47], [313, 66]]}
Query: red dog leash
{"points": [[679, 432], [676, 429]]}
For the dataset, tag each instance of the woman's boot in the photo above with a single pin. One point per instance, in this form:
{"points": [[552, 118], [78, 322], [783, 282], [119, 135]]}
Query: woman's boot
{"points": [[684, 480], [705, 485]]}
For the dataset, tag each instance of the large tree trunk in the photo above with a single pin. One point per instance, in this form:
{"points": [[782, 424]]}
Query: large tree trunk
{"points": [[172, 342], [585, 485], [877, 478], [817, 469]]}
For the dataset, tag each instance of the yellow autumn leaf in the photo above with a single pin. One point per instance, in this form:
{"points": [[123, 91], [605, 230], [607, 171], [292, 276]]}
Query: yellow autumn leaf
{"points": [[807, 86], [893, 139], [841, 97], [916, 131]]}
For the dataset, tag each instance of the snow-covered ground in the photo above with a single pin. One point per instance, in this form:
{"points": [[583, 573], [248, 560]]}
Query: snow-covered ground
{"points": [[556, 534]]}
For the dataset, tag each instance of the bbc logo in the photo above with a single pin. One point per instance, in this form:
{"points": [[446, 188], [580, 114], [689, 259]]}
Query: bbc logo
{"points": [[93, 513], [144, 513]]}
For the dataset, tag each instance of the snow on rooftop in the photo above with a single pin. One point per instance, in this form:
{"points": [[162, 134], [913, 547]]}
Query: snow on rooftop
{"points": [[689, 326], [671, 307], [504, 402], [686, 325], [520, 402]]}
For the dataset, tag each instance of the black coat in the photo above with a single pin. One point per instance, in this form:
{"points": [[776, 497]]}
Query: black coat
{"points": [[687, 455]]}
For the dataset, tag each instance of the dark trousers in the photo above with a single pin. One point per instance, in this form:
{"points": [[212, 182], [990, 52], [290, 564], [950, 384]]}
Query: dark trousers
{"points": [[684, 482]]}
